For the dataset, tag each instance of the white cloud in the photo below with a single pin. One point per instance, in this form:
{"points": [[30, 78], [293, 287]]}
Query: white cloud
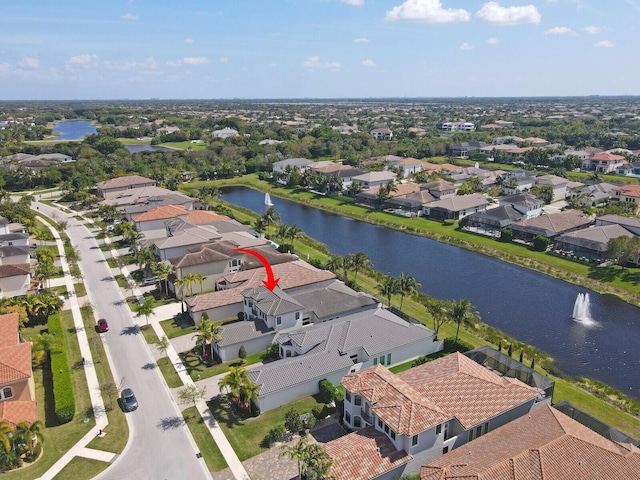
{"points": [[147, 66], [188, 40], [560, 31], [356, 3], [361, 40], [195, 60], [493, 41], [4, 68], [427, 11], [368, 63], [314, 62], [494, 13], [29, 63], [273, 65], [82, 59], [173, 64], [129, 16], [604, 44], [223, 60], [592, 29], [466, 46]]}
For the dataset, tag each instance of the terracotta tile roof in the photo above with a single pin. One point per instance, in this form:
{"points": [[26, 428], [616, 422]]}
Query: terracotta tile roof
{"points": [[122, 182], [15, 363], [543, 445], [14, 269], [436, 167], [628, 190], [17, 411], [398, 404], [556, 222], [9, 329], [199, 217], [467, 390], [291, 274], [607, 157], [160, 213], [363, 455]]}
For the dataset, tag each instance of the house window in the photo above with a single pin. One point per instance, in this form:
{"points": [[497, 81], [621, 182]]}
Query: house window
{"points": [[393, 435], [347, 417], [414, 440], [438, 429], [357, 400], [470, 435], [375, 361], [6, 392], [478, 431], [386, 428], [382, 360], [357, 422], [306, 321], [297, 315], [347, 396], [278, 320], [379, 423], [388, 359], [486, 428], [354, 358], [445, 450]]}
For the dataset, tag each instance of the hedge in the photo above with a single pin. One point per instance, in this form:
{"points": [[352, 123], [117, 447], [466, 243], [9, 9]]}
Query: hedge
{"points": [[64, 402]]}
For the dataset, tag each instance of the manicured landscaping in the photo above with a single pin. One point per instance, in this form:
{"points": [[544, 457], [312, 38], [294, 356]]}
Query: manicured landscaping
{"points": [[199, 369], [169, 373], [172, 328], [208, 448], [80, 467], [246, 435], [149, 335]]}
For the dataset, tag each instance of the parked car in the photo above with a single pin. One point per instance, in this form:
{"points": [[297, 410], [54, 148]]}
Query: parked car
{"points": [[103, 326], [148, 281], [129, 401]]}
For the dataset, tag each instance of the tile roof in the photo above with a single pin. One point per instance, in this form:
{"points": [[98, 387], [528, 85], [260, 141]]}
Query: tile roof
{"points": [[191, 235], [291, 274], [162, 212], [456, 203], [122, 182], [467, 390], [364, 455], [542, 445], [375, 177], [595, 238], [620, 220], [556, 222], [15, 362], [9, 329], [14, 269], [327, 300], [629, 190], [199, 217], [16, 411], [243, 331], [138, 195], [11, 250], [607, 157], [272, 302]]}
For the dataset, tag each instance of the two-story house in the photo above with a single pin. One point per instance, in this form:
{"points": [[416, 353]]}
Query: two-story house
{"points": [[402, 421], [603, 162], [111, 188], [629, 194]]}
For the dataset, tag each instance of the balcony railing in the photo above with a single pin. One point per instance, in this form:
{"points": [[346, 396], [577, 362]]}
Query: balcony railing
{"points": [[367, 417]]}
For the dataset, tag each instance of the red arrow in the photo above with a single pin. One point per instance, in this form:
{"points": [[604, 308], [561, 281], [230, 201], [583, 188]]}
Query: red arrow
{"points": [[270, 282]]}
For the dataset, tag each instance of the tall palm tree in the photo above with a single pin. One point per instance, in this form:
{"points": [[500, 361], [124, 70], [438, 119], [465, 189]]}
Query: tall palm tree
{"points": [[189, 280], [360, 262], [296, 452], [179, 284], [162, 270], [234, 380], [145, 309], [388, 287], [249, 391], [200, 278], [5, 434], [294, 232], [25, 434], [283, 231], [163, 345], [462, 311], [145, 257], [407, 286], [270, 217], [317, 462]]}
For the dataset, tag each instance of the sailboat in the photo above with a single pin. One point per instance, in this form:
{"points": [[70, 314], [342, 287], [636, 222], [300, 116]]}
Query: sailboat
{"points": [[267, 200]]}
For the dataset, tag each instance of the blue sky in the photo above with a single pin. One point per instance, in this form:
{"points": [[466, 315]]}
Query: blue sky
{"points": [[140, 49]]}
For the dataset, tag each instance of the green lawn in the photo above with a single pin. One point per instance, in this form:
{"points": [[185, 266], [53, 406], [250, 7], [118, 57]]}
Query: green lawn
{"points": [[208, 448], [184, 145], [80, 467], [246, 436], [149, 335], [173, 329], [199, 370], [169, 373]]}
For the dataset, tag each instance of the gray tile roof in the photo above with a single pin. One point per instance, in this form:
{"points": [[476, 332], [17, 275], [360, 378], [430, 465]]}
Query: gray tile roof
{"points": [[376, 331], [276, 302], [333, 299], [239, 332]]}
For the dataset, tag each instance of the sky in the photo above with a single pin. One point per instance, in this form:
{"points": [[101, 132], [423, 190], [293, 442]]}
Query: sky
{"points": [[214, 49]]}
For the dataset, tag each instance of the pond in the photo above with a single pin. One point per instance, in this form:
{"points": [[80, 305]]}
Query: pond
{"points": [[73, 129]]}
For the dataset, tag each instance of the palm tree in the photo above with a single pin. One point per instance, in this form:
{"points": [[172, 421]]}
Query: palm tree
{"points": [[179, 284], [462, 312], [388, 287], [355, 188], [317, 462], [145, 257], [249, 391], [360, 262], [283, 231], [270, 217], [204, 334], [145, 309], [189, 279], [407, 285], [162, 270], [234, 380], [163, 345], [296, 452], [200, 278], [5, 434], [294, 232], [24, 436]]}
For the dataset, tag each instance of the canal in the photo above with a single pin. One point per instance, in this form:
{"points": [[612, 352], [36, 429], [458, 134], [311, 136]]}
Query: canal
{"points": [[532, 307]]}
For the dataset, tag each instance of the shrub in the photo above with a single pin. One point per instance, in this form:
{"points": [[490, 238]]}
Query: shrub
{"points": [[326, 391], [317, 411], [449, 222], [64, 402], [275, 434], [285, 248], [292, 421], [310, 422], [540, 243], [242, 353], [241, 316], [450, 346], [506, 235]]}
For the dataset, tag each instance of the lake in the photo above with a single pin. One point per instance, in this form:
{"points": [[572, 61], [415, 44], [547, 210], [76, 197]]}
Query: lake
{"points": [[532, 307], [145, 148], [73, 130]]}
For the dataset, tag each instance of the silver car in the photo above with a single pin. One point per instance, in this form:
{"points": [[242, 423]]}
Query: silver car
{"points": [[129, 401]]}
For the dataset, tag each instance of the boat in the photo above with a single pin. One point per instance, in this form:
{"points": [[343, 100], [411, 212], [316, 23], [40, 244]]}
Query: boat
{"points": [[267, 200]]}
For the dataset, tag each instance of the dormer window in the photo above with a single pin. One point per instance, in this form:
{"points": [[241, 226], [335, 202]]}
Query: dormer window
{"points": [[6, 393], [278, 320]]}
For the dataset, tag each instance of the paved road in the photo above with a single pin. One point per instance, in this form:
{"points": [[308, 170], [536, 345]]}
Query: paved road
{"points": [[161, 446]]}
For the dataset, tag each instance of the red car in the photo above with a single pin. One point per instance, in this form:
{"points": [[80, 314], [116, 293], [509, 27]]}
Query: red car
{"points": [[103, 326]]}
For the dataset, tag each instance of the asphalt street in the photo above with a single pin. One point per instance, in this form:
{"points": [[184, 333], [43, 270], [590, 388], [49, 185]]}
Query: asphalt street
{"points": [[160, 446]]}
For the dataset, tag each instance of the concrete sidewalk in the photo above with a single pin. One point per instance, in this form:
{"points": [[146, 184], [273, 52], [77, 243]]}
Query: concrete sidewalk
{"points": [[99, 412]]}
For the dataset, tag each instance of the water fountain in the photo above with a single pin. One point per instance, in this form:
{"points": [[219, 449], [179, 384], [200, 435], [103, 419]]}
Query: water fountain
{"points": [[267, 200], [582, 311]]}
